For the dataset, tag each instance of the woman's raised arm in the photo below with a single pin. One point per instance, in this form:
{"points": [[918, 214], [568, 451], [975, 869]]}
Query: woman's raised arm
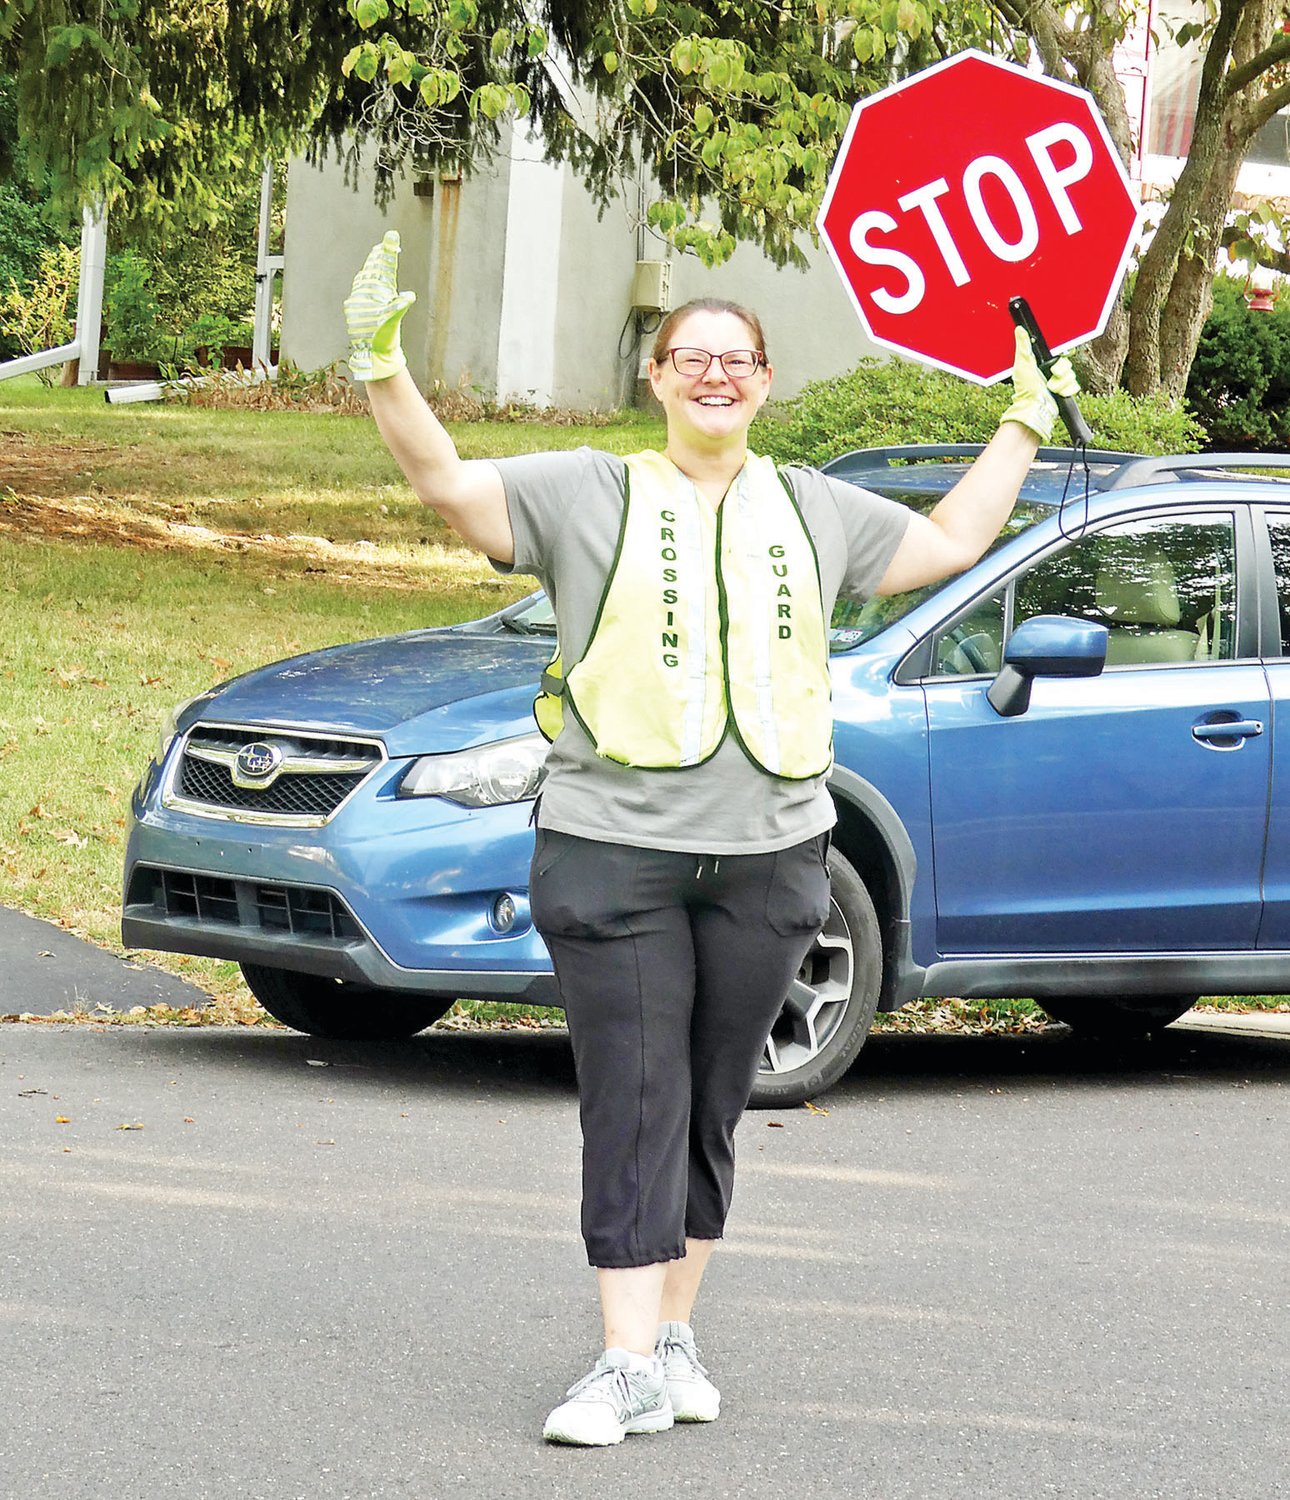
{"points": [[468, 494]]}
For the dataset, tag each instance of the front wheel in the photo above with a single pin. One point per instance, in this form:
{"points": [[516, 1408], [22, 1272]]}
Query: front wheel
{"points": [[832, 1002], [339, 1010], [1121, 1018]]}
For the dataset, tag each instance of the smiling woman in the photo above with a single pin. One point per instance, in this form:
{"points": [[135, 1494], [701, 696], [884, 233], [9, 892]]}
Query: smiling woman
{"points": [[680, 870]]}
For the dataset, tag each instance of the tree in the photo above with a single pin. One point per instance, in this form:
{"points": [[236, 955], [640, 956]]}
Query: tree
{"points": [[732, 108], [1153, 339]]}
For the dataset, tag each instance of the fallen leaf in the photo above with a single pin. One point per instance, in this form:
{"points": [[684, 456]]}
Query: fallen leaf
{"points": [[774, 1125], [188, 1120], [62, 1119], [814, 1108], [137, 1126]]}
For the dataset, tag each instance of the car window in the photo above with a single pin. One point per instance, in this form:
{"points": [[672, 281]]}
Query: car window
{"points": [[854, 621], [1164, 588], [972, 644], [1279, 534]]}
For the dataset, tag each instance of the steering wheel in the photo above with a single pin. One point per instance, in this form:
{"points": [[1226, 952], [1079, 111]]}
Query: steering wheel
{"points": [[967, 643]]}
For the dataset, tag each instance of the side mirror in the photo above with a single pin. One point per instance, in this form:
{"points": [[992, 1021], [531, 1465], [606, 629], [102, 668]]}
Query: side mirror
{"points": [[1045, 646]]}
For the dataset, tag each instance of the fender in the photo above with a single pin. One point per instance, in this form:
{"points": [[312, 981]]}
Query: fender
{"points": [[903, 978]]}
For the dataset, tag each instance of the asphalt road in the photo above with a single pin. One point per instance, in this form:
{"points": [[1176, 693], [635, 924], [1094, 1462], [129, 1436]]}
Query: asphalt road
{"points": [[995, 1267], [46, 969]]}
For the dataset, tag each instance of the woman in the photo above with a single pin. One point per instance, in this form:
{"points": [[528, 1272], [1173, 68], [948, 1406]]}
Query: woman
{"points": [[679, 867]]}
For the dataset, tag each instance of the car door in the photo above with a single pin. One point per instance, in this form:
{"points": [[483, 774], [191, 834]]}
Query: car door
{"points": [[1121, 813], [1275, 929]]}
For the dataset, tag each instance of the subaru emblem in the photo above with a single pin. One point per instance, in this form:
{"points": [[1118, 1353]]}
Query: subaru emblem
{"points": [[256, 764]]}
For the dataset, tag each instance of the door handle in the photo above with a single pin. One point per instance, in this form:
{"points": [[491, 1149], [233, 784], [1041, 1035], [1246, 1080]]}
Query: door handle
{"points": [[1213, 732]]}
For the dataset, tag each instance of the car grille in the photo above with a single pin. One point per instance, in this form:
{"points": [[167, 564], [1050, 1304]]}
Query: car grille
{"points": [[314, 775], [303, 911]]}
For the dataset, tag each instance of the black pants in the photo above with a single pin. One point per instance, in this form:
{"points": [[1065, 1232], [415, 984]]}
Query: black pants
{"points": [[672, 969]]}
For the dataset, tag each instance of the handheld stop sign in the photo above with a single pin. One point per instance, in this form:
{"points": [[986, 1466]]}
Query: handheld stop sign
{"points": [[972, 196]]}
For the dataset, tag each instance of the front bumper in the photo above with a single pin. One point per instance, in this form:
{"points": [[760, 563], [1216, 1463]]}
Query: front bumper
{"points": [[394, 893]]}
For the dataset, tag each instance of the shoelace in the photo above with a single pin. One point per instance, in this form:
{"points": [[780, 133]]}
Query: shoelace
{"points": [[617, 1380], [671, 1342]]}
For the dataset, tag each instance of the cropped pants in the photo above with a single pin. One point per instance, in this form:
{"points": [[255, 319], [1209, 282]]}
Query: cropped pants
{"points": [[672, 969]]}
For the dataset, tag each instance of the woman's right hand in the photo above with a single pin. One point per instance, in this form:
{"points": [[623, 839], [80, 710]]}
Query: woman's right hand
{"points": [[373, 311]]}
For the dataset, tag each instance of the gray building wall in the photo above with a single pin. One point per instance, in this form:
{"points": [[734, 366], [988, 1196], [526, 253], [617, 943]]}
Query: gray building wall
{"points": [[523, 289]]}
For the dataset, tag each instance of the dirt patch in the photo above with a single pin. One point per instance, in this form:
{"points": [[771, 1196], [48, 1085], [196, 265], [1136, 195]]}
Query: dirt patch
{"points": [[95, 521], [32, 466]]}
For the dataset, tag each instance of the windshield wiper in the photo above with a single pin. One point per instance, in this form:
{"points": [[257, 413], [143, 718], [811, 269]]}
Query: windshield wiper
{"points": [[521, 626]]}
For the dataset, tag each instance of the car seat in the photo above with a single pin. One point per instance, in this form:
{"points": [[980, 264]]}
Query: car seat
{"points": [[1137, 598]]}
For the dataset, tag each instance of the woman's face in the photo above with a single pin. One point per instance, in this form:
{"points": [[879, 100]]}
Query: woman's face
{"points": [[713, 408]]}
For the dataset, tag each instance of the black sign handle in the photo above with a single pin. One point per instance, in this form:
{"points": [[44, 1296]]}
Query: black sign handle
{"points": [[1081, 434]]}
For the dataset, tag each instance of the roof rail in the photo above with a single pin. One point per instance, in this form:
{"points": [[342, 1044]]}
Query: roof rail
{"points": [[1148, 470], [881, 457]]}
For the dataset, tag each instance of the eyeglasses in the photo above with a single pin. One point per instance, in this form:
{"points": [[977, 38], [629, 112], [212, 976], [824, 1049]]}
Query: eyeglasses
{"points": [[737, 363]]}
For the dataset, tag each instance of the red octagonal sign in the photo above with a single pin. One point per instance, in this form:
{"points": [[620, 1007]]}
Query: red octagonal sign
{"points": [[966, 185]]}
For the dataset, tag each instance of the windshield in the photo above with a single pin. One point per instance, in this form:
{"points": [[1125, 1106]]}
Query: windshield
{"points": [[533, 616], [854, 622]]}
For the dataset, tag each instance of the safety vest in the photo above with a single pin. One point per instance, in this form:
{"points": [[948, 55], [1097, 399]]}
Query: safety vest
{"points": [[709, 620]]}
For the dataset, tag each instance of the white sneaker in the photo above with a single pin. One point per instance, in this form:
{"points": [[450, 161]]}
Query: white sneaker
{"points": [[614, 1399], [693, 1396]]}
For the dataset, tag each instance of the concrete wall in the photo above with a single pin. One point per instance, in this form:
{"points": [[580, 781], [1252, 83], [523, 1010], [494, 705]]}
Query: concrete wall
{"points": [[523, 289]]}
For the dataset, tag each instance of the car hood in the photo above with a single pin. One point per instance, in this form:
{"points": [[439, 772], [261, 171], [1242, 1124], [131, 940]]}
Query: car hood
{"points": [[431, 690]]}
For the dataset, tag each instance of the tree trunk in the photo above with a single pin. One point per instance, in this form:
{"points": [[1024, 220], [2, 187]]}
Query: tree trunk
{"points": [[1190, 295], [1174, 288], [1101, 362]]}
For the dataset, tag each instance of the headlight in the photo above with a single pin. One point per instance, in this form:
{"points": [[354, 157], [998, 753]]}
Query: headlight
{"points": [[506, 771], [170, 726]]}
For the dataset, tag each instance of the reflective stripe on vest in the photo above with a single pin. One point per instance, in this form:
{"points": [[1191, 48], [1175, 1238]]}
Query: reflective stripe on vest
{"points": [[709, 619]]}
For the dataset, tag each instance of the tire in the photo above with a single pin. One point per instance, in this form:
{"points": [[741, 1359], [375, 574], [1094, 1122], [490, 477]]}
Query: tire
{"points": [[834, 999], [339, 1010], [1122, 1018]]}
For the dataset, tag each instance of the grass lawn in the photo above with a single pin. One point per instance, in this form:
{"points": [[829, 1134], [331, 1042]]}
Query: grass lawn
{"points": [[150, 551]]}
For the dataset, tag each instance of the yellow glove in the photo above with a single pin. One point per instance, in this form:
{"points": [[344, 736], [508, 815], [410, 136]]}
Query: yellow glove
{"points": [[1032, 401], [373, 311]]}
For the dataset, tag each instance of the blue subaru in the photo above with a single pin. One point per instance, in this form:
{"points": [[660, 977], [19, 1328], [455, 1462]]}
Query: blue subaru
{"points": [[1057, 776]]}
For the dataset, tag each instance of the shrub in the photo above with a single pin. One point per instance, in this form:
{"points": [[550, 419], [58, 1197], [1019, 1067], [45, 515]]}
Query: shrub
{"points": [[134, 330], [24, 231], [892, 401], [1239, 384], [40, 315]]}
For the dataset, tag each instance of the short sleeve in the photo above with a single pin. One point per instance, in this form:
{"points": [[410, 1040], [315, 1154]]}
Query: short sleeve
{"points": [[541, 490], [873, 527]]}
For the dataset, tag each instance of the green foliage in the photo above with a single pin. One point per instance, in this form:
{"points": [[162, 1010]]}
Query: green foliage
{"points": [[892, 401], [41, 314], [134, 329], [1239, 384], [24, 230], [160, 107]]}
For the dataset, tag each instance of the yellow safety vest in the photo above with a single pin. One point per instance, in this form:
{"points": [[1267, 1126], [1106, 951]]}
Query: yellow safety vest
{"points": [[710, 619]]}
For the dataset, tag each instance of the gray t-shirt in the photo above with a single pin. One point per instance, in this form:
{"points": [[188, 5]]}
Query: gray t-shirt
{"points": [[565, 510]]}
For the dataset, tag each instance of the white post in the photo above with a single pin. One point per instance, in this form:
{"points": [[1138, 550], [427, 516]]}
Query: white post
{"points": [[267, 268], [89, 301]]}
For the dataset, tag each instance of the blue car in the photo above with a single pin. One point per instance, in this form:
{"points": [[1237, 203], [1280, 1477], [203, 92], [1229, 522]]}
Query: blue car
{"points": [[1058, 775]]}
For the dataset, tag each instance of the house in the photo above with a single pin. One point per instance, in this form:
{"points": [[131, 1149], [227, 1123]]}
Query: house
{"points": [[525, 292]]}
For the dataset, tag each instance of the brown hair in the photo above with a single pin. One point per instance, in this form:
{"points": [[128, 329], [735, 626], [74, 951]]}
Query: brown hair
{"points": [[674, 319]]}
